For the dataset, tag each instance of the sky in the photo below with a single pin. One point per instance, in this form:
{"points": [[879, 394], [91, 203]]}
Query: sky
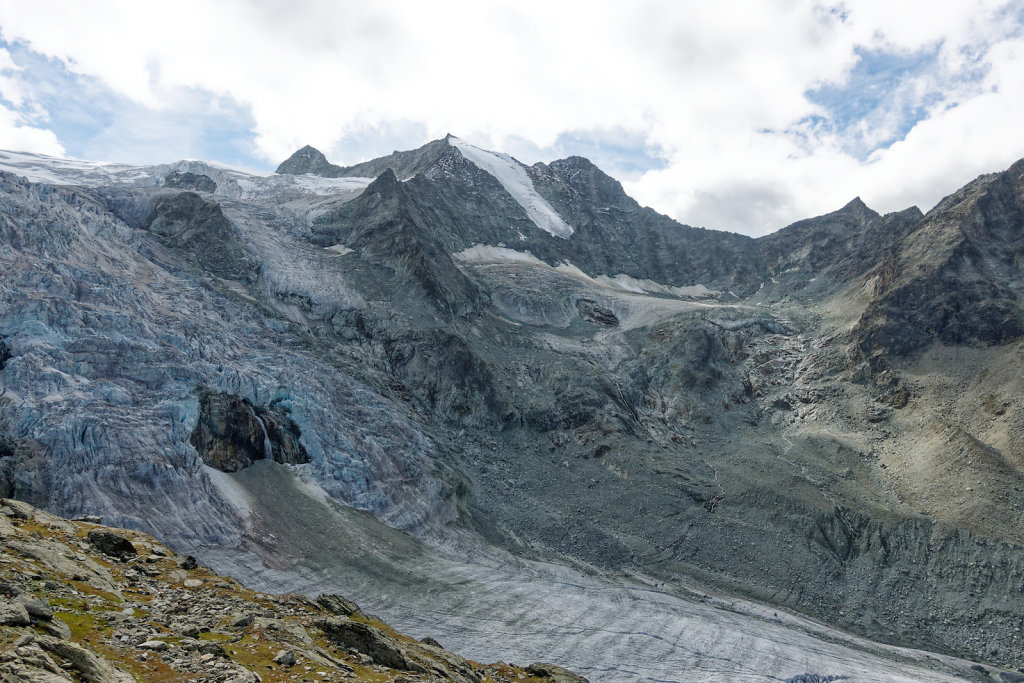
{"points": [[736, 115]]}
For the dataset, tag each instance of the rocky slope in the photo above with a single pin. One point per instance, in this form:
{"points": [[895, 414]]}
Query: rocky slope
{"points": [[83, 602], [522, 365]]}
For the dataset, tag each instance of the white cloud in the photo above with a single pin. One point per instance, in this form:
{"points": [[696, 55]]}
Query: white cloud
{"points": [[15, 134], [717, 92], [17, 131]]}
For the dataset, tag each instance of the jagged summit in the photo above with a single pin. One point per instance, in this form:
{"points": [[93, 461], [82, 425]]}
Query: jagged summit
{"points": [[405, 164], [856, 206]]}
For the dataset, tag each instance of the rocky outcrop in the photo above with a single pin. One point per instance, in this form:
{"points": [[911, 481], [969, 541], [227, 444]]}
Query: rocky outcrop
{"points": [[230, 433], [198, 228], [823, 254], [445, 376], [186, 180], [957, 278], [593, 312], [386, 227], [383, 649]]}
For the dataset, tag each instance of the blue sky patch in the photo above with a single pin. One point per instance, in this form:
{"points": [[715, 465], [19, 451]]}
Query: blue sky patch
{"points": [[94, 122], [885, 95]]}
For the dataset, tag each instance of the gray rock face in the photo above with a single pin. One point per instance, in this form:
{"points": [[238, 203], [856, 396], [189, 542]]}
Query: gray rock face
{"points": [[186, 180], [230, 434], [833, 249], [196, 227], [614, 234], [309, 160], [385, 225], [957, 278]]}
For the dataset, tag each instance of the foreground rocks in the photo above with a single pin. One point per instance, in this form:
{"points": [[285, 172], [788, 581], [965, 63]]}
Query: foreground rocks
{"points": [[79, 602]]}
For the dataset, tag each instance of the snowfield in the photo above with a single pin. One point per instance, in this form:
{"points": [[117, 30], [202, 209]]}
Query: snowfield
{"points": [[512, 176]]}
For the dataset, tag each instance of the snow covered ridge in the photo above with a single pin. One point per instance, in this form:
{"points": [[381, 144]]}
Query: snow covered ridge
{"points": [[512, 176], [40, 168], [484, 253], [232, 182]]}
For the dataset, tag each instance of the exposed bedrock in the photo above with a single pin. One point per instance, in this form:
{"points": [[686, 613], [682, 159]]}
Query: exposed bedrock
{"points": [[199, 229], [230, 433], [958, 277], [444, 375], [593, 312], [186, 180]]}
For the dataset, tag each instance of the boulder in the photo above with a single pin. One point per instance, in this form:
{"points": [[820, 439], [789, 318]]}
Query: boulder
{"points": [[555, 674], [14, 614], [37, 608], [368, 640], [89, 666], [336, 604], [241, 620], [111, 544]]}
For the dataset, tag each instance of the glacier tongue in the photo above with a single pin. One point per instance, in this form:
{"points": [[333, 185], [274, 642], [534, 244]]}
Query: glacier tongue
{"points": [[512, 176]]}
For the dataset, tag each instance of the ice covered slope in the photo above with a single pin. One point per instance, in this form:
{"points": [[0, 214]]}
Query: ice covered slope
{"points": [[512, 176]]}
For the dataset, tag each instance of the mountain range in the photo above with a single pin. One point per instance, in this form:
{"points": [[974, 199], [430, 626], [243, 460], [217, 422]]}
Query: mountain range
{"points": [[512, 405]]}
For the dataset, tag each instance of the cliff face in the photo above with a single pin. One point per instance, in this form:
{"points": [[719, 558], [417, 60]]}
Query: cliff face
{"points": [[497, 358], [957, 278]]}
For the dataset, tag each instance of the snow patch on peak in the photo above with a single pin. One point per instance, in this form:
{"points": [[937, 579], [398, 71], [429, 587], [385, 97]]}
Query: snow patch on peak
{"points": [[485, 253], [632, 284], [512, 176]]}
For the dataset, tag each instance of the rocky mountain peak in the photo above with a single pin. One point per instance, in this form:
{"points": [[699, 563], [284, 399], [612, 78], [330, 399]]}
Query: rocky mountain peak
{"points": [[385, 182], [307, 160], [856, 206]]}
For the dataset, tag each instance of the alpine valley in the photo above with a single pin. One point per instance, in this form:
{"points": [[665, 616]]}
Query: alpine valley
{"points": [[508, 407]]}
